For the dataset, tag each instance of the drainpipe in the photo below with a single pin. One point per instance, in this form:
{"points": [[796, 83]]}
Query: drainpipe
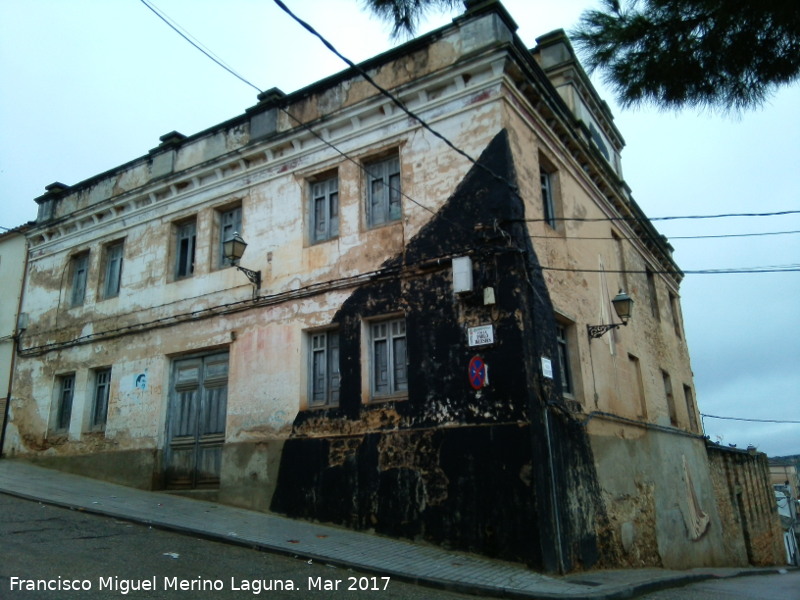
{"points": [[553, 494]]}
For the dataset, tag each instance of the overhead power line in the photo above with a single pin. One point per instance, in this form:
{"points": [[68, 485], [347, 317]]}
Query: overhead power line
{"points": [[729, 271], [724, 216], [208, 53], [396, 101], [674, 237], [669, 218], [749, 420], [196, 44]]}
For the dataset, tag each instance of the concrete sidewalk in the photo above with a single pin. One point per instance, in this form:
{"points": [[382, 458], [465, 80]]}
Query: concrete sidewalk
{"points": [[416, 563]]}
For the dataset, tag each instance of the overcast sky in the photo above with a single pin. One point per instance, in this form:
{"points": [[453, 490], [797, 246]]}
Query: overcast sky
{"points": [[86, 85]]}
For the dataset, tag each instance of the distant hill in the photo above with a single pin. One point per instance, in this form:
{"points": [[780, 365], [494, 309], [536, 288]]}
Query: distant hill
{"points": [[793, 458]]}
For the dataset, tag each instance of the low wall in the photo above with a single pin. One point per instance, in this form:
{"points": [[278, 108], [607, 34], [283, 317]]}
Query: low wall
{"points": [[747, 503]]}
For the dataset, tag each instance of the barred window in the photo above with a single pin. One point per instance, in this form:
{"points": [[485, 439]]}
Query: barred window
{"points": [[389, 363], [383, 192], [324, 371], [324, 209], [102, 387]]}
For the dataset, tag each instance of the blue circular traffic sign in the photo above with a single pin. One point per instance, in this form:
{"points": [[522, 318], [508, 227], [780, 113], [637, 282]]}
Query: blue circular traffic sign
{"points": [[477, 373]]}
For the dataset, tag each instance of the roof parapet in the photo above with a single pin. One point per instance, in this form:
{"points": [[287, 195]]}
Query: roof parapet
{"points": [[48, 201], [474, 8], [264, 115], [162, 158]]}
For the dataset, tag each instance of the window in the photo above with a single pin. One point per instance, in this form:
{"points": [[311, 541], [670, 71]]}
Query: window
{"points": [[324, 209], [80, 271], [185, 238], [651, 288], [548, 197], [230, 222], [690, 408], [673, 415], [383, 192], [676, 319], [324, 384], [567, 386], [66, 392], [637, 384], [102, 387], [620, 250], [112, 271], [388, 361]]}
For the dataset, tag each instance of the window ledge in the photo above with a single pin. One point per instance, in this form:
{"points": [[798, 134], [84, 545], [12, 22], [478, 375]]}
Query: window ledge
{"points": [[387, 398]]}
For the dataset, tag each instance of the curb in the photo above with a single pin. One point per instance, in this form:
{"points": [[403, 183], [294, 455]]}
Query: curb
{"points": [[608, 590]]}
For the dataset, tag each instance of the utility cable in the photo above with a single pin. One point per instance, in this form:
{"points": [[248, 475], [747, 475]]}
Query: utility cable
{"points": [[514, 189], [396, 101], [728, 271], [749, 420], [672, 237], [173, 25], [190, 38], [180, 31], [669, 218]]}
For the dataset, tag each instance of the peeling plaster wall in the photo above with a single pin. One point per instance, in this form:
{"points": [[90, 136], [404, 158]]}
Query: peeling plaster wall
{"points": [[645, 523], [154, 310], [456, 466], [574, 255], [521, 470], [648, 502]]}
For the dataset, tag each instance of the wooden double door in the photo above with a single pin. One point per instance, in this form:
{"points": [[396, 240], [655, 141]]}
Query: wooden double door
{"points": [[198, 403]]}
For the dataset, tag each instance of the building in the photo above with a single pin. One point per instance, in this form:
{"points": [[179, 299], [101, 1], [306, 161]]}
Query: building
{"points": [[13, 255], [783, 472], [411, 349], [785, 481]]}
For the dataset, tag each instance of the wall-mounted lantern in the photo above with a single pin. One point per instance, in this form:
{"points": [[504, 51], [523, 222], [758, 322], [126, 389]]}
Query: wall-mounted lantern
{"points": [[623, 305], [233, 248]]}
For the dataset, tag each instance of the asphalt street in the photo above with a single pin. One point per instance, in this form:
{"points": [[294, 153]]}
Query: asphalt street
{"points": [[761, 587], [52, 553], [73, 549]]}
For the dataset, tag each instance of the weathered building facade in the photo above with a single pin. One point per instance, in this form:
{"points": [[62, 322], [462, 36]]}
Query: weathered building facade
{"points": [[415, 358], [13, 255]]}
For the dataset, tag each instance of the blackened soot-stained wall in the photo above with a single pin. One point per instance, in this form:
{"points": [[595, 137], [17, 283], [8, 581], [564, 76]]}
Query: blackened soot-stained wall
{"points": [[503, 471]]}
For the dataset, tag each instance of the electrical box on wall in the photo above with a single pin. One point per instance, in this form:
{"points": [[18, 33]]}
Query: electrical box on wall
{"points": [[462, 275]]}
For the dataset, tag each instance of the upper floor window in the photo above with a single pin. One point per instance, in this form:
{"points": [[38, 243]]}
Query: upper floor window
{"points": [[674, 306], [324, 383], [80, 271], [690, 408], [388, 358], [671, 409], [324, 209], [637, 384], [112, 269], [548, 197], [383, 192], [185, 240], [620, 251], [653, 293], [230, 222]]}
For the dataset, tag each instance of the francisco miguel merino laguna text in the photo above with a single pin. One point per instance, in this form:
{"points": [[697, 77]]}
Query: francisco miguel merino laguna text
{"points": [[197, 584], [125, 586]]}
